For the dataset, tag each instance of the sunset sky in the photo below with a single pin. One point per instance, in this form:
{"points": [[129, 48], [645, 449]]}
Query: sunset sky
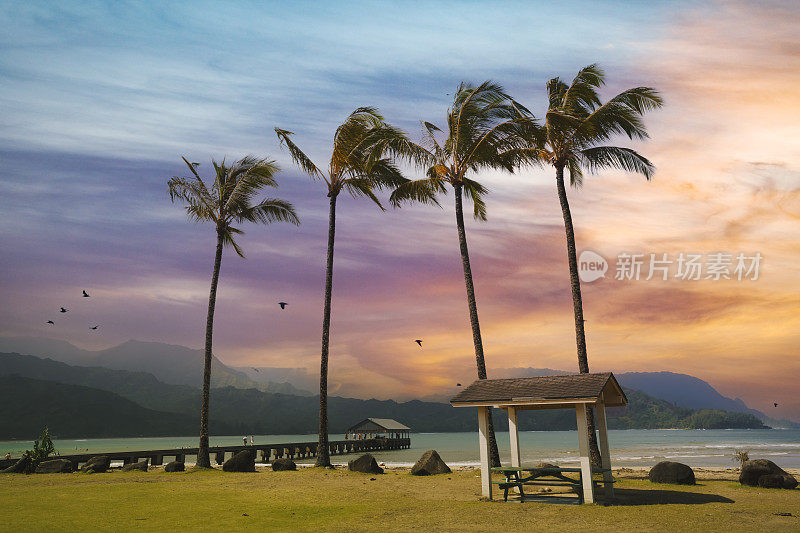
{"points": [[100, 101]]}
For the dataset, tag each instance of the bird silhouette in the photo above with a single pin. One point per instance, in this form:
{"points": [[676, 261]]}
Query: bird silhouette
{"points": [[419, 341], [254, 368], [775, 404], [283, 305], [458, 384], [85, 294], [94, 327], [64, 309], [50, 322]]}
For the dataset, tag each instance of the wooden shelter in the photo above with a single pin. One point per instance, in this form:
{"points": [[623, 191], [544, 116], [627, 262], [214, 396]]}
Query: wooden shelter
{"points": [[578, 391], [370, 428]]}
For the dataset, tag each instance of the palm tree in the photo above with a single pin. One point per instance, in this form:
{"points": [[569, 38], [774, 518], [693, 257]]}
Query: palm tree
{"points": [[576, 125], [358, 165], [486, 129], [228, 201]]}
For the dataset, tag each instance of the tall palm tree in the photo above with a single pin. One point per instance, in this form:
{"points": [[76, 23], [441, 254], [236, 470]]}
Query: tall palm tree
{"points": [[486, 129], [359, 166], [576, 126], [228, 201]]}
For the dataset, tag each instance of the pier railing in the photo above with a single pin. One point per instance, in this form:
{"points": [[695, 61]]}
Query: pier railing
{"points": [[265, 452]]}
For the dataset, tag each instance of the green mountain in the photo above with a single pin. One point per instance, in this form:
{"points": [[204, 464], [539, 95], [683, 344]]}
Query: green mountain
{"points": [[71, 411], [250, 411], [174, 364]]}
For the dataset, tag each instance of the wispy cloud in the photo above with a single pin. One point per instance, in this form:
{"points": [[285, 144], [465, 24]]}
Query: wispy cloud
{"points": [[101, 99]]}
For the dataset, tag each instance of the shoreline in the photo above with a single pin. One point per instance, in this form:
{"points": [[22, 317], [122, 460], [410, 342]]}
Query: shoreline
{"points": [[704, 473]]}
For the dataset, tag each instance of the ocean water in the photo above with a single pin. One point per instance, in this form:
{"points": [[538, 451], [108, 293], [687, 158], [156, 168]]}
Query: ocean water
{"points": [[634, 447]]}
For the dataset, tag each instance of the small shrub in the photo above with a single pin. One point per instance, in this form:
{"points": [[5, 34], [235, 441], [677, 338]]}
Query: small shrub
{"points": [[42, 449], [740, 456]]}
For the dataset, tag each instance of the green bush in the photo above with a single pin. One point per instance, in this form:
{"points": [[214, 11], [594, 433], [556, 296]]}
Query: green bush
{"points": [[42, 449]]}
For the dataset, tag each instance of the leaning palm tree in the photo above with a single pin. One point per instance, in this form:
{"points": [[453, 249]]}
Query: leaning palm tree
{"points": [[576, 126], [486, 129], [228, 201], [359, 166]]}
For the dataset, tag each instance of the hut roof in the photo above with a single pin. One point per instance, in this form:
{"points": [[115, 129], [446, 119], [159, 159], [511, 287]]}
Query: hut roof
{"points": [[555, 391], [383, 423]]}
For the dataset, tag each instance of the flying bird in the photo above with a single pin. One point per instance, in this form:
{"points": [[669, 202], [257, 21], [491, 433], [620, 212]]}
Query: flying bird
{"points": [[419, 341], [85, 294], [283, 305], [50, 322], [94, 327], [254, 368], [775, 404], [64, 309]]}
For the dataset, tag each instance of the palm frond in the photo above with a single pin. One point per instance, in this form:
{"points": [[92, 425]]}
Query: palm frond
{"points": [[270, 210], [358, 187], [600, 157], [423, 190], [475, 192], [228, 240], [247, 177], [299, 157], [575, 172]]}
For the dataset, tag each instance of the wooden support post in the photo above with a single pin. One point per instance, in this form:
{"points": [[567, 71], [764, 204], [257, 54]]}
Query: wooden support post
{"points": [[180, 458], [513, 435], [583, 446], [220, 457], [605, 456], [483, 446]]}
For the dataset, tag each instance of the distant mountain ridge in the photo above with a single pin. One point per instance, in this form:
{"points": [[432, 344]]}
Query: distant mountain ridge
{"points": [[73, 411], [169, 363], [47, 392], [682, 390], [180, 365]]}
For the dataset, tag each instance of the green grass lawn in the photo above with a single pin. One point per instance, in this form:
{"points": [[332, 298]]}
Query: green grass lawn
{"points": [[325, 500]]}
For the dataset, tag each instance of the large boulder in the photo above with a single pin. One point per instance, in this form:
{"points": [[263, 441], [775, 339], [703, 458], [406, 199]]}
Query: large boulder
{"points": [[97, 464], [244, 461], [141, 466], [775, 476], [366, 464], [283, 463], [55, 466], [429, 464], [671, 472], [174, 466], [18, 467], [777, 481]]}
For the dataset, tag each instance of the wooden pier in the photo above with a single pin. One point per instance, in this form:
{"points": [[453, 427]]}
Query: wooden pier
{"points": [[265, 452]]}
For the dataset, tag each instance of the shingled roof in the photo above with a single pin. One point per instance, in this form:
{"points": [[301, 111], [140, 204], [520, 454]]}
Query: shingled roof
{"points": [[383, 423], [539, 390]]}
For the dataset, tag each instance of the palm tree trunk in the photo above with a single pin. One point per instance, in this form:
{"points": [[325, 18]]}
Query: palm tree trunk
{"points": [[577, 303], [494, 454], [323, 456], [203, 459]]}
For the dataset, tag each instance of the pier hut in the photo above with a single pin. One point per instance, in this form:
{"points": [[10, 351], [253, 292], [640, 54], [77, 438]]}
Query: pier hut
{"points": [[371, 428], [572, 391]]}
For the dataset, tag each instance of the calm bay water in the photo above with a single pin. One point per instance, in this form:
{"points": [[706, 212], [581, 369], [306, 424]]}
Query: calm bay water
{"points": [[628, 447]]}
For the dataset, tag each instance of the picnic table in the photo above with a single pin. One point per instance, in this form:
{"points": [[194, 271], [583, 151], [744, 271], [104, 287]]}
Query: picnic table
{"points": [[515, 477]]}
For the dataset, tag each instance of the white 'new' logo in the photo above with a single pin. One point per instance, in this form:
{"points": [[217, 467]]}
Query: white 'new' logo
{"points": [[591, 266]]}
